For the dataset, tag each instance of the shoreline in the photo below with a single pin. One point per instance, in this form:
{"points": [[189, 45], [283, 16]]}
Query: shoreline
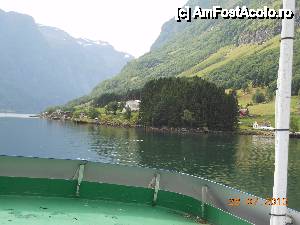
{"points": [[181, 131]]}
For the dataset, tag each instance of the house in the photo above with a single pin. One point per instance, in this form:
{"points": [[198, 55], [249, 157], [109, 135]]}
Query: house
{"points": [[134, 105], [244, 112]]}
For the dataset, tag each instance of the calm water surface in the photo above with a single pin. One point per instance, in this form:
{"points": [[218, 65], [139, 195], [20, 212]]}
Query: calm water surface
{"points": [[243, 162]]}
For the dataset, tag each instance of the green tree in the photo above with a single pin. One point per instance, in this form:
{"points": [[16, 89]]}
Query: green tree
{"points": [[269, 94], [112, 107], [175, 102], [245, 87], [76, 114], [92, 113], [122, 105], [128, 113], [51, 109], [188, 117], [295, 84], [258, 97], [105, 99]]}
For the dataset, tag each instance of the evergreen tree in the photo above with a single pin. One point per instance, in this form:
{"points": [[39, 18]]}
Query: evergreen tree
{"points": [[127, 113], [92, 113], [192, 102], [112, 107], [258, 97]]}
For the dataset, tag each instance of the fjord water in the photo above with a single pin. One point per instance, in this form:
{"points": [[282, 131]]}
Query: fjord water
{"points": [[243, 162]]}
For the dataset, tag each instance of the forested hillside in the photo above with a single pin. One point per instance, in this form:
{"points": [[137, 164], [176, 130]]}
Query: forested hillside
{"points": [[231, 53]]}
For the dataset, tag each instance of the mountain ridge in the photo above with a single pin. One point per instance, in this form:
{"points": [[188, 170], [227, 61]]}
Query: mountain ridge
{"points": [[42, 65], [182, 46]]}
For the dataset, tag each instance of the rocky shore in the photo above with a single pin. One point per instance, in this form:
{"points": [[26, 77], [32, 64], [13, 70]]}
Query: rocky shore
{"points": [[201, 131], [167, 129], [85, 120], [124, 124]]}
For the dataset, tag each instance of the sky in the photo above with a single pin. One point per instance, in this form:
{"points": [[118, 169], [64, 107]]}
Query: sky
{"points": [[129, 25]]}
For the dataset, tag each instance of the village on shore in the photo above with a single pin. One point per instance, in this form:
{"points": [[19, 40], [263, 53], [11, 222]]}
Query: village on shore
{"points": [[119, 119]]}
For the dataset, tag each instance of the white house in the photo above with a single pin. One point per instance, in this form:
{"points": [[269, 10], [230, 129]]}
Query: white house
{"points": [[134, 105]]}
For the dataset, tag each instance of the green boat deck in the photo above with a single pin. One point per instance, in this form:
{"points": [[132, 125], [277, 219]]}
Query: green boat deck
{"points": [[33, 210], [52, 191]]}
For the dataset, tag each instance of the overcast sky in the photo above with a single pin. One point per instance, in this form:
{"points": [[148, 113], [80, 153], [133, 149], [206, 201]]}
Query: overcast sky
{"points": [[129, 25]]}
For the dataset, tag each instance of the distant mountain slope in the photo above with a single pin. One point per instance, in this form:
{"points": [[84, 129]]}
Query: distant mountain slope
{"points": [[211, 49], [233, 66], [42, 66]]}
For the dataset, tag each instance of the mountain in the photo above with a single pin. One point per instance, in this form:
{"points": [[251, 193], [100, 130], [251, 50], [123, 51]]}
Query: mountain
{"points": [[42, 66], [230, 53]]}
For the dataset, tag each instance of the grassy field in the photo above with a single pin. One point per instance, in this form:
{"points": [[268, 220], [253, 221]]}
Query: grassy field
{"points": [[227, 55], [264, 112]]}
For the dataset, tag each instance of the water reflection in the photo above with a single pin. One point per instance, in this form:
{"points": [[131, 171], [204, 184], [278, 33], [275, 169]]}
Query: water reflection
{"points": [[191, 154], [121, 145], [243, 162]]}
